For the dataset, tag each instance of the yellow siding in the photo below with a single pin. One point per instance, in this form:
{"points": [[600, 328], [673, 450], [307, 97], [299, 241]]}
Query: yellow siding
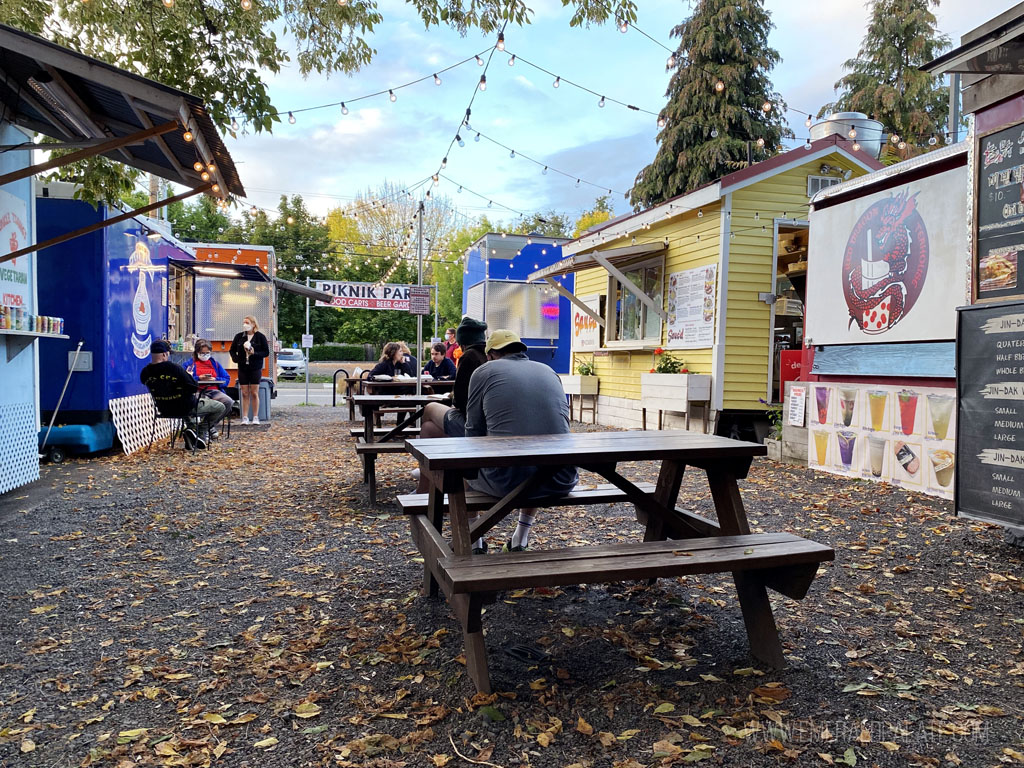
{"points": [[620, 371]]}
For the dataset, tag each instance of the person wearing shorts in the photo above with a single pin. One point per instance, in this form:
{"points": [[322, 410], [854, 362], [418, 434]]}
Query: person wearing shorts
{"points": [[249, 349]]}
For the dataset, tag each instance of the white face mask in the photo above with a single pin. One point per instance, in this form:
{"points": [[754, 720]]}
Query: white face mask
{"points": [[205, 356], [246, 326]]}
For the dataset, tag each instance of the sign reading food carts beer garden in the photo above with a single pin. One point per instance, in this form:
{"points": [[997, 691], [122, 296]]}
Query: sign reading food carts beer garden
{"points": [[346, 295]]}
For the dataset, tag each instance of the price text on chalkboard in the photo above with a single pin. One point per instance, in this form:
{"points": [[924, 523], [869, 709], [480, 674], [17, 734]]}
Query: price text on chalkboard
{"points": [[999, 191], [990, 423]]}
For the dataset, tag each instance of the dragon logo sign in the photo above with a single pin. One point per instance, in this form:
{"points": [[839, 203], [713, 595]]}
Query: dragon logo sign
{"points": [[885, 263]]}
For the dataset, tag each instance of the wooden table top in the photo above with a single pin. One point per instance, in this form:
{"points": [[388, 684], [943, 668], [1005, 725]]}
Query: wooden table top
{"points": [[577, 448], [372, 401]]}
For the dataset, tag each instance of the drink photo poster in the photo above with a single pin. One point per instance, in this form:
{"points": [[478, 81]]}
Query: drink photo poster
{"points": [[899, 435]]}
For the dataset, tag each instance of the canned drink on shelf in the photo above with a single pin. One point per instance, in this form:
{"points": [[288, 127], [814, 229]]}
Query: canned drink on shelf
{"points": [[60, 326]]}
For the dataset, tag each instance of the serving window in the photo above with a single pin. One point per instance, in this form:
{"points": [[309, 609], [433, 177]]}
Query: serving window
{"points": [[629, 320]]}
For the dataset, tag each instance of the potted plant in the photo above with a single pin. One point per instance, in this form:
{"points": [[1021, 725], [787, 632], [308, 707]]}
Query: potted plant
{"points": [[670, 386], [585, 382], [774, 440]]}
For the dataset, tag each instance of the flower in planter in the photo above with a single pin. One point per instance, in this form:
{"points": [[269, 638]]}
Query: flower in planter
{"points": [[659, 351], [585, 369], [653, 371], [666, 363]]}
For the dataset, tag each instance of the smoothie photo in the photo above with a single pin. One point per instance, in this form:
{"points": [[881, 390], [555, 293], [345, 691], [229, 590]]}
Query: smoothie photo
{"points": [[941, 408], [847, 400], [907, 458], [942, 463], [821, 396], [908, 410], [876, 402], [821, 445], [847, 440], [876, 452]]}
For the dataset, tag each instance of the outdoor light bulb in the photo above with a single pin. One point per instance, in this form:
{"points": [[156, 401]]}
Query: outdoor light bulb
{"points": [[444, 163], [246, 5], [577, 182], [545, 171], [536, 266], [670, 63], [215, 188], [601, 102], [512, 60], [479, 61], [290, 219], [483, 82], [933, 141], [204, 176], [187, 135], [458, 139], [234, 125], [808, 121], [477, 137], [856, 146], [894, 138], [436, 178], [623, 27], [211, 167], [760, 142], [719, 86], [661, 122], [714, 133], [197, 165], [512, 154], [700, 213], [291, 118], [168, 3], [458, 191], [437, 80], [501, 41], [902, 145], [529, 241], [852, 133], [391, 95], [757, 215], [767, 106], [489, 203], [558, 82]]}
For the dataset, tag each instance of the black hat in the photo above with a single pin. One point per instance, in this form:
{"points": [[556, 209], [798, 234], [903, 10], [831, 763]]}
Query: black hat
{"points": [[471, 332], [159, 347]]}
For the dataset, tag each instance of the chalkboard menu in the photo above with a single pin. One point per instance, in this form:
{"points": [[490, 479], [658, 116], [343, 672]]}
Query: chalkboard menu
{"points": [[999, 235], [990, 423]]}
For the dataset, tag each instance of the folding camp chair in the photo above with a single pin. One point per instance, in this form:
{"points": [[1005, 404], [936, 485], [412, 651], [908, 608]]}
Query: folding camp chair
{"points": [[181, 406]]}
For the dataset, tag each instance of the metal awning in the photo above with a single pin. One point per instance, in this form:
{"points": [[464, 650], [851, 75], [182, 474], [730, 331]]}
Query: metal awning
{"points": [[305, 292], [998, 50], [215, 269], [99, 109], [591, 259]]}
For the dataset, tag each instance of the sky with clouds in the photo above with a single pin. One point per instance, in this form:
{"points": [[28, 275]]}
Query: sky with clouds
{"points": [[329, 158]]}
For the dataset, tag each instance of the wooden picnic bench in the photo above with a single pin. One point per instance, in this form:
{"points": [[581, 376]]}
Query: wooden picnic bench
{"points": [[377, 440], [676, 542]]}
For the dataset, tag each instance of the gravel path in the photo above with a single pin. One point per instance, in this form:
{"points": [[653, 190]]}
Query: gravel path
{"points": [[246, 608]]}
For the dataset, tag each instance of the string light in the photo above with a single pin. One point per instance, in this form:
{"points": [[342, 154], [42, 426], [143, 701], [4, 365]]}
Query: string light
{"points": [[545, 171], [932, 141], [852, 133], [187, 136], [198, 166], [512, 154], [661, 122], [601, 102], [512, 60], [290, 219], [856, 145], [483, 83], [460, 140], [766, 107], [444, 163], [760, 141], [437, 80], [501, 41], [168, 3], [234, 125], [902, 145], [391, 95], [479, 61], [477, 137], [344, 109], [719, 86], [558, 81], [670, 63], [246, 5], [808, 121], [291, 118], [807, 144]]}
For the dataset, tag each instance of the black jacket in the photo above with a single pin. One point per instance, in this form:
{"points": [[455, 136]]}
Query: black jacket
{"points": [[388, 368], [472, 358], [260, 351], [173, 390]]}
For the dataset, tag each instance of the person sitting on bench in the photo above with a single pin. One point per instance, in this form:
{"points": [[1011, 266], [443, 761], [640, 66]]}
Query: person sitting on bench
{"points": [[439, 367], [175, 393], [497, 395]]}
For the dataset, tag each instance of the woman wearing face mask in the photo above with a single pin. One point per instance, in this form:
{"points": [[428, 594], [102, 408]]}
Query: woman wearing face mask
{"points": [[249, 349], [211, 377]]}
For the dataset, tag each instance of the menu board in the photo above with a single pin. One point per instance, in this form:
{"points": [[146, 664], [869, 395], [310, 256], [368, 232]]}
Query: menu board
{"points": [[999, 192], [990, 385], [899, 435], [691, 308]]}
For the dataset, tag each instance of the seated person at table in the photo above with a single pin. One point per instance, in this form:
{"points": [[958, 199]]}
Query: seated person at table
{"points": [[440, 420], [172, 389], [392, 364], [497, 395], [439, 367], [211, 377], [409, 364]]}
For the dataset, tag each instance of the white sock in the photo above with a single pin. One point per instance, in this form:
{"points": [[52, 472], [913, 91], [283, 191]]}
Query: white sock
{"points": [[521, 537], [479, 543]]}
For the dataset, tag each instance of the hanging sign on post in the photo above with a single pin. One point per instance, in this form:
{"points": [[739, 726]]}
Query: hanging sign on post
{"points": [[307, 340], [419, 299]]}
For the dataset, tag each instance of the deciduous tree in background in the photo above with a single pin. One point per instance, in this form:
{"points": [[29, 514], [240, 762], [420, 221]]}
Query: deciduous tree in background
{"points": [[600, 213], [885, 81], [715, 117]]}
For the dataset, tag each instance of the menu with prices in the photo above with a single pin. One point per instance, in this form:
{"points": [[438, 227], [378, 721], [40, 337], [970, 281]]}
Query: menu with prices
{"points": [[691, 308], [999, 188], [990, 385]]}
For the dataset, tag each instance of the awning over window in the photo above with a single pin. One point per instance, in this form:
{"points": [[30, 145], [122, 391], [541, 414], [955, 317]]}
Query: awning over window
{"points": [[230, 271], [588, 260], [307, 293], [931, 360]]}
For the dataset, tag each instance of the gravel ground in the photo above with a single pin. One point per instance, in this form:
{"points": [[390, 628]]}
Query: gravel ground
{"points": [[246, 607]]}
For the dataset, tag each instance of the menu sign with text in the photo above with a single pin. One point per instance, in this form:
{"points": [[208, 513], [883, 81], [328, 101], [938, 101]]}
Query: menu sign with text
{"points": [[691, 308], [990, 386], [1000, 220]]}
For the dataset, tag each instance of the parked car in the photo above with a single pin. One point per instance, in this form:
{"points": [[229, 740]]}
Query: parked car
{"points": [[290, 364]]}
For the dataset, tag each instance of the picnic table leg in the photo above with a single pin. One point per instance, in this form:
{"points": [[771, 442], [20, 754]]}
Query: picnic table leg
{"points": [[762, 633], [371, 476], [670, 477], [435, 514], [468, 609]]}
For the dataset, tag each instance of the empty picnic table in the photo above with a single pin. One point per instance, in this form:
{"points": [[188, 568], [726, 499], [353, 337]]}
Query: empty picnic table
{"points": [[675, 543], [371, 444]]}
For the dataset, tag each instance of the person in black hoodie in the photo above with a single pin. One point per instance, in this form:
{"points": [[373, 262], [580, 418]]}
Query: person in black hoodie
{"points": [[249, 349]]}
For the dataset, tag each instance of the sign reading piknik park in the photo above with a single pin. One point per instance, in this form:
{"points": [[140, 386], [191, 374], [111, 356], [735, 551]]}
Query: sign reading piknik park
{"points": [[345, 295]]}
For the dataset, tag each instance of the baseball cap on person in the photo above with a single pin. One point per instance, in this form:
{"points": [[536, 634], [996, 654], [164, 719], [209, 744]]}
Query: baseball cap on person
{"points": [[503, 339], [159, 347]]}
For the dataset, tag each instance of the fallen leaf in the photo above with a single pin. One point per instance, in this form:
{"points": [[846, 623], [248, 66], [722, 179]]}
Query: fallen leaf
{"points": [[27, 745], [441, 760], [584, 727], [892, 746], [213, 717], [663, 708], [248, 717], [307, 709], [264, 743], [544, 739]]}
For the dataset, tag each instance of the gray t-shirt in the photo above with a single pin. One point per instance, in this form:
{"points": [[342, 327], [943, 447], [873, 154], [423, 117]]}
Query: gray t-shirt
{"points": [[511, 397]]}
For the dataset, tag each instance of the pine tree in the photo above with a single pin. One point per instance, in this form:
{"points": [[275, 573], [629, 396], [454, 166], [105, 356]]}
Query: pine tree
{"points": [[885, 81], [715, 118]]}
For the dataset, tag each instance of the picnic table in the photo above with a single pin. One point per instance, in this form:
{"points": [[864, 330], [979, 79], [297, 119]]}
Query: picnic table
{"points": [[676, 542], [371, 444]]}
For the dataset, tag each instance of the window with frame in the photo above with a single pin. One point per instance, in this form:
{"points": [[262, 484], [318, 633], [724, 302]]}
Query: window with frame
{"points": [[629, 321]]}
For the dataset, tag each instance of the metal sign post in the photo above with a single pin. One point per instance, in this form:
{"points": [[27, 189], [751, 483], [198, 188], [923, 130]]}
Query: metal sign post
{"points": [[304, 339], [419, 316]]}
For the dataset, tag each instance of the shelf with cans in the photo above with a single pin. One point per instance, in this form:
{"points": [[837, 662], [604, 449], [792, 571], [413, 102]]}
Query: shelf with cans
{"points": [[21, 329]]}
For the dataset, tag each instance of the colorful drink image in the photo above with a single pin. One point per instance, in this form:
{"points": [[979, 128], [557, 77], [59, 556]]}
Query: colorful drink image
{"points": [[821, 445], [942, 462], [941, 408], [908, 410], [821, 397], [847, 400], [876, 452], [876, 402], [847, 440], [907, 458]]}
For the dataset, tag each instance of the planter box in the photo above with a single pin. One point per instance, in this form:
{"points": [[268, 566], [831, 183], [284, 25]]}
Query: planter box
{"points": [[579, 385], [673, 391]]}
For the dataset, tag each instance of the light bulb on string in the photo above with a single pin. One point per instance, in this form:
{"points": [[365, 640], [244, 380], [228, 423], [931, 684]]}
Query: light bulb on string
{"points": [[856, 146], [459, 140], [444, 163], [623, 26], [477, 137], [204, 176], [234, 125], [512, 60], [545, 171], [760, 141], [670, 62], [808, 121], [344, 109], [290, 219], [577, 183], [894, 138], [557, 82], [246, 5], [187, 136], [601, 102], [512, 154], [391, 95], [766, 107], [483, 83], [719, 86], [489, 203], [807, 144], [291, 118], [902, 145], [714, 133], [168, 3], [852, 133], [479, 61], [932, 141], [211, 167], [197, 165], [342, 3], [501, 41], [437, 80], [661, 122]]}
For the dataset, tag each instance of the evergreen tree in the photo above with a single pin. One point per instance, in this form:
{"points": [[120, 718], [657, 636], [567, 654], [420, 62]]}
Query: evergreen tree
{"points": [[885, 82], [715, 119]]}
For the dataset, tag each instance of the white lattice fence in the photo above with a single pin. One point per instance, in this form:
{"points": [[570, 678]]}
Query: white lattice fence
{"points": [[133, 419], [19, 446]]}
